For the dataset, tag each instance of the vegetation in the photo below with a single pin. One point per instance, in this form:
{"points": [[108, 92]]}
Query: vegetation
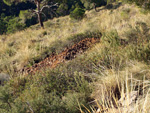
{"points": [[12, 9], [53, 8], [101, 79], [77, 13]]}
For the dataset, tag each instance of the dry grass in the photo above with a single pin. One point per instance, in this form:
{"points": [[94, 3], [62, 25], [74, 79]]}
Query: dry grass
{"points": [[123, 77], [19, 48], [120, 92]]}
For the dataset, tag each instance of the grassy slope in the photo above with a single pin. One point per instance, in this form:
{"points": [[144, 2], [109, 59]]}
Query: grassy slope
{"points": [[110, 63], [18, 49]]}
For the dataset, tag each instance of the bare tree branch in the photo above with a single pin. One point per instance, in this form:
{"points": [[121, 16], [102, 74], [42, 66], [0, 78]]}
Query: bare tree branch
{"points": [[33, 14], [54, 12], [43, 3], [48, 6], [33, 11], [39, 10]]}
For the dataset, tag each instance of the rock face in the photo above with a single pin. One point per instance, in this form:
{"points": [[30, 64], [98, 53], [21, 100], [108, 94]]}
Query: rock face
{"points": [[3, 77]]}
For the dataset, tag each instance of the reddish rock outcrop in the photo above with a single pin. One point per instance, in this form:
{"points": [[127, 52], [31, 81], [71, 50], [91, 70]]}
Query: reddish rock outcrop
{"points": [[68, 54]]}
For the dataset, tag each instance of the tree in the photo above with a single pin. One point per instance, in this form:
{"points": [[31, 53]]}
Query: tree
{"points": [[40, 9], [38, 4]]}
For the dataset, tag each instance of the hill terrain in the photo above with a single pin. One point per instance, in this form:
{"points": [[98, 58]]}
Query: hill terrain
{"points": [[98, 64], [67, 54]]}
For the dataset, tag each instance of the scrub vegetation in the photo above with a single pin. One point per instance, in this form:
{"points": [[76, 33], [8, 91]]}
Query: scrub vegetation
{"points": [[112, 76]]}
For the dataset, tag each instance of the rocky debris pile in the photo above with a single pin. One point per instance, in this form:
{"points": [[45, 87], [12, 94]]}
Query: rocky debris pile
{"points": [[68, 54]]}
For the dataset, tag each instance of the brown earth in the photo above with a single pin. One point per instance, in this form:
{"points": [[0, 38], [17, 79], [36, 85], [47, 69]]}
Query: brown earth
{"points": [[68, 54]]}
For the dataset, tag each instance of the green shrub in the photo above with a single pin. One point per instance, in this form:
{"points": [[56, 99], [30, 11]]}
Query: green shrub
{"points": [[63, 9], [138, 40], [77, 13], [24, 15], [15, 25], [5, 99], [57, 91]]}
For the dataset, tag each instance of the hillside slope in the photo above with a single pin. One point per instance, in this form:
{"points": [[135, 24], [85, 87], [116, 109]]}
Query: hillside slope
{"points": [[112, 76], [22, 47]]}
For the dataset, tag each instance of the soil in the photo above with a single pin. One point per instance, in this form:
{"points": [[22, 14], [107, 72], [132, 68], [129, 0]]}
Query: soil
{"points": [[68, 54]]}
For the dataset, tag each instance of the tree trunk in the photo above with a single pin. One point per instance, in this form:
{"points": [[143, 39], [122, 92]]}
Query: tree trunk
{"points": [[39, 14], [40, 20]]}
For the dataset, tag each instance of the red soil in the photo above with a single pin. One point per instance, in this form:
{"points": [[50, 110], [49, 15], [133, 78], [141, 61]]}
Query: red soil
{"points": [[68, 54]]}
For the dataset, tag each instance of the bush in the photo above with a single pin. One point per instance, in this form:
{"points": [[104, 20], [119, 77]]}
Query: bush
{"points": [[63, 9], [77, 14], [15, 25], [57, 91]]}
